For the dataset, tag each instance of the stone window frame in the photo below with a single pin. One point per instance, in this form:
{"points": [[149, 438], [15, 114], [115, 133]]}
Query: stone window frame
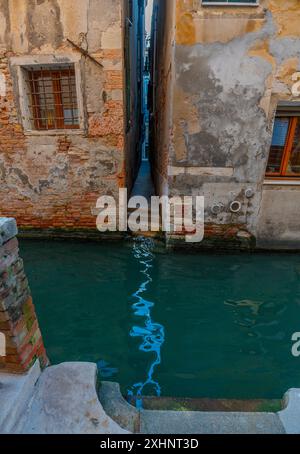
{"points": [[20, 64]]}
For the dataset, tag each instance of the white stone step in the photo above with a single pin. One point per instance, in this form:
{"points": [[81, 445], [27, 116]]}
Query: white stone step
{"points": [[196, 422], [66, 402]]}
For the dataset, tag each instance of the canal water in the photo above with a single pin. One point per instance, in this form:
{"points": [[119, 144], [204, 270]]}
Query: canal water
{"points": [[201, 325]]}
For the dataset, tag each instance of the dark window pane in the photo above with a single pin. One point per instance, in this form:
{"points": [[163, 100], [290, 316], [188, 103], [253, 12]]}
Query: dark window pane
{"points": [[69, 100], [46, 103], [280, 133]]}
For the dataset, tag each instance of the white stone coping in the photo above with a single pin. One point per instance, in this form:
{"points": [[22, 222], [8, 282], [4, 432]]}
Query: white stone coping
{"points": [[8, 229]]}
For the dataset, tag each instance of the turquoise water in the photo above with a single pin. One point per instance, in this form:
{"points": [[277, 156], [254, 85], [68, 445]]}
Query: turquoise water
{"points": [[205, 325]]}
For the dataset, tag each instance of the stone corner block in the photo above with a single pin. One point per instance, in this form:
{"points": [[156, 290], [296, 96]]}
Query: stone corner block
{"points": [[8, 229], [290, 415], [66, 402], [114, 404]]}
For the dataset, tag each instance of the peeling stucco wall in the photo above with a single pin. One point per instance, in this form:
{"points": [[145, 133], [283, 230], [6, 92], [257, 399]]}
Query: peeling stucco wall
{"points": [[54, 180], [231, 66]]}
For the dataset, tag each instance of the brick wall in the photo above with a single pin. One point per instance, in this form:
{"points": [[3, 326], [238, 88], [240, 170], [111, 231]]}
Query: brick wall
{"points": [[18, 321], [216, 236]]}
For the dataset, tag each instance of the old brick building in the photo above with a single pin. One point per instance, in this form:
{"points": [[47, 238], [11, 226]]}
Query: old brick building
{"points": [[225, 109], [67, 134]]}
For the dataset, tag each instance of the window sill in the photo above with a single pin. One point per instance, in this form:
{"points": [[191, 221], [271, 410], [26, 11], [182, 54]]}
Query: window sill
{"points": [[282, 182], [232, 5], [55, 132]]}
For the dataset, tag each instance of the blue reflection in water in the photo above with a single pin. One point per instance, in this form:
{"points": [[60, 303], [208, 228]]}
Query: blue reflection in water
{"points": [[152, 334], [105, 369]]}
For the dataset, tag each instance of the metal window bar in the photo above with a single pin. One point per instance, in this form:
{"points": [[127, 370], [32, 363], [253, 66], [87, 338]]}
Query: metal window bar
{"points": [[53, 98]]}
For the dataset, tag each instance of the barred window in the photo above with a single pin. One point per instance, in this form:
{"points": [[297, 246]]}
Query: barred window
{"points": [[52, 97]]}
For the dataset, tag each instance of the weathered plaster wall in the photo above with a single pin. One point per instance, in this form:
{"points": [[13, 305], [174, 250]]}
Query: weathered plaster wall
{"points": [[54, 180], [231, 66], [278, 226]]}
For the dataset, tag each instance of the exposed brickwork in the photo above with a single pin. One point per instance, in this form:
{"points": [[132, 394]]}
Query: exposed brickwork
{"points": [[217, 236], [11, 132], [18, 322], [109, 124]]}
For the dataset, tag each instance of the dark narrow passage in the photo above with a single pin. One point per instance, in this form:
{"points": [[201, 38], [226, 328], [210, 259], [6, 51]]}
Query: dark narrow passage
{"points": [[144, 185]]}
